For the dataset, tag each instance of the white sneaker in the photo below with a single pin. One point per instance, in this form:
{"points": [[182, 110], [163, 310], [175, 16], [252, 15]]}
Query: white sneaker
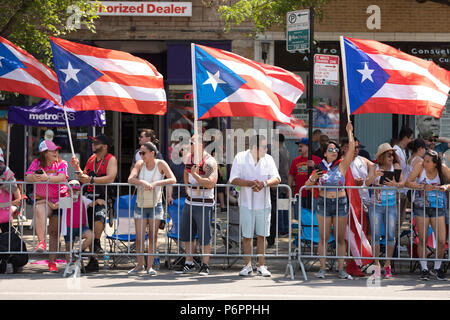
{"points": [[246, 271], [135, 271], [151, 272], [262, 271]]}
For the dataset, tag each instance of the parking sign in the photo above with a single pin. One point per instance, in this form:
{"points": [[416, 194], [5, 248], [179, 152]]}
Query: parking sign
{"points": [[297, 30]]}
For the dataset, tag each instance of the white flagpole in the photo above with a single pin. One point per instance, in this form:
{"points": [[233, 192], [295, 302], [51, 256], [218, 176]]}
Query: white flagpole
{"points": [[344, 69], [68, 131], [197, 155]]}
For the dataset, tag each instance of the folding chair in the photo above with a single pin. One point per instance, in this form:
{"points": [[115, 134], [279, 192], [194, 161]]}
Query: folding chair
{"points": [[123, 238], [309, 235]]}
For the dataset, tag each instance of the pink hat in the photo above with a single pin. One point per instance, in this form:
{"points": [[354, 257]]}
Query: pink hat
{"points": [[48, 145]]}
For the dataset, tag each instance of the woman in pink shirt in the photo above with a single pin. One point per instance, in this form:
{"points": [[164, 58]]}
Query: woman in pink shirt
{"points": [[51, 169]]}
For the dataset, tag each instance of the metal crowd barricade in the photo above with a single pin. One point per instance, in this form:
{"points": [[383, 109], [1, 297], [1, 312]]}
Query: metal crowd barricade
{"points": [[307, 238], [13, 217], [225, 225]]}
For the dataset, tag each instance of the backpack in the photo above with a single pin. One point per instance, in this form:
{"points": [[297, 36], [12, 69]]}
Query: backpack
{"points": [[17, 244]]}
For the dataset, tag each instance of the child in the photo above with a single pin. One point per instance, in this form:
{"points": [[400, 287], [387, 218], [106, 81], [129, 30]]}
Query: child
{"points": [[74, 220]]}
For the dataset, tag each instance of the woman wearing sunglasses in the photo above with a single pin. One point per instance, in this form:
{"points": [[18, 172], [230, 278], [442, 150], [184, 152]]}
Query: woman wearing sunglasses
{"points": [[429, 207], [332, 208], [383, 209], [149, 175]]}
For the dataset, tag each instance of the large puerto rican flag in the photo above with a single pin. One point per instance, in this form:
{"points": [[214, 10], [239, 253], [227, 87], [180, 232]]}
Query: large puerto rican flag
{"points": [[382, 79], [356, 229], [20, 72], [228, 85], [93, 78]]}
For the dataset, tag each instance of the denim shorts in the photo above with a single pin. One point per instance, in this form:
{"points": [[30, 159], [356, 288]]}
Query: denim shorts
{"points": [[75, 233], [429, 212], [155, 213], [327, 207]]}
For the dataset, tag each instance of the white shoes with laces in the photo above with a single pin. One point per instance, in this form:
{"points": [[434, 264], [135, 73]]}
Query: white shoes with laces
{"points": [[260, 271]]}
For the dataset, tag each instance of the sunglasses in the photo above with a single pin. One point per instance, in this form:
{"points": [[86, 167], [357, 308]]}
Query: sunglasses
{"points": [[390, 155], [333, 150], [142, 153]]}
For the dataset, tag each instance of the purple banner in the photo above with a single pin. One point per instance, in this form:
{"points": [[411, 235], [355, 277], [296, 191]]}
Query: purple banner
{"points": [[47, 114]]}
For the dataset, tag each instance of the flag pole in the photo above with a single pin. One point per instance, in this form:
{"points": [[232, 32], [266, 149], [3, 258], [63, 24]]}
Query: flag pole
{"points": [[197, 155], [344, 69], [68, 131]]}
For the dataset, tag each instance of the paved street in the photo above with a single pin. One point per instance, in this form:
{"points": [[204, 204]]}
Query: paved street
{"points": [[220, 285]]}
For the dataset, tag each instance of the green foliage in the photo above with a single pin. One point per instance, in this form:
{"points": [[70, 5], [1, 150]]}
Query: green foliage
{"points": [[265, 13], [29, 23]]}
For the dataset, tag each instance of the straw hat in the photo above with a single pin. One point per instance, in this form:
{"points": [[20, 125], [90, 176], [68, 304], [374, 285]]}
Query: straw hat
{"points": [[382, 148]]}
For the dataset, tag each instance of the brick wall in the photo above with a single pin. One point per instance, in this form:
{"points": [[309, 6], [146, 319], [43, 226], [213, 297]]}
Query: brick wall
{"points": [[396, 16]]}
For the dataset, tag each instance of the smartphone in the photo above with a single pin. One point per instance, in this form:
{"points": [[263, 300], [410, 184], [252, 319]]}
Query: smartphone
{"points": [[39, 171]]}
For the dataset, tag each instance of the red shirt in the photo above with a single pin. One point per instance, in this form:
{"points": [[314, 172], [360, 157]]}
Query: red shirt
{"points": [[299, 170]]}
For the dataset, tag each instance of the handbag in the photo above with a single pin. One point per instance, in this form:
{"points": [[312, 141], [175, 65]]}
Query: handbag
{"points": [[145, 198]]}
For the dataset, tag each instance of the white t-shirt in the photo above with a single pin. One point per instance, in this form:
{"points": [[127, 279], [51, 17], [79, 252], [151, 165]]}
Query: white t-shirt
{"points": [[402, 158], [359, 171], [244, 167]]}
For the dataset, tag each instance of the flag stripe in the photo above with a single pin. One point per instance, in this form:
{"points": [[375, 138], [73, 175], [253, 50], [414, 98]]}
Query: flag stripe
{"points": [[244, 109], [21, 81], [392, 63], [405, 92], [122, 91], [411, 107], [136, 67], [84, 103], [138, 81]]}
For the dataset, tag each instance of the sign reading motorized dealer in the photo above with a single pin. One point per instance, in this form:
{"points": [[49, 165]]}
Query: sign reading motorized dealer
{"points": [[144, 8]]}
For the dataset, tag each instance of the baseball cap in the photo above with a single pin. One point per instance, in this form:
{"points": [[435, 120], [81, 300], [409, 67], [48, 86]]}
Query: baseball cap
{"points": [[102, 139], [48, 145], [304, 141]]}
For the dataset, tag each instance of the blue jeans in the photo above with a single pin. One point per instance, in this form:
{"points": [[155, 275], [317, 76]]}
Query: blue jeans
{"points": [[378, 220]]}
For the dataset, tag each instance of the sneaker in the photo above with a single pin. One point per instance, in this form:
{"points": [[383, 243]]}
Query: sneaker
{"points": [[262, 271], [321, 273], [439, 274], [151, 272], [204, 270], [188, 268], [377, 273], [41, 247], [92, 266], [344, 275], [246, 271], [425, 275], [52, 267], [387, 273], [136, 271]]}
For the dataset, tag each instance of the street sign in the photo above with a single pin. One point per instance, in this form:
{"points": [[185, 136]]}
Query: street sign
{"points": [[326, 69], [297, 30]]}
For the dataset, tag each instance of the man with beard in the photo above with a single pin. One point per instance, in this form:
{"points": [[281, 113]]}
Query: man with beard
{"points": [[101, 168]]}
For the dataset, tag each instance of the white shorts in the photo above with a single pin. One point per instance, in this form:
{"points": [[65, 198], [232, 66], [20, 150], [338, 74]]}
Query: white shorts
{"points": [[254, 221]]}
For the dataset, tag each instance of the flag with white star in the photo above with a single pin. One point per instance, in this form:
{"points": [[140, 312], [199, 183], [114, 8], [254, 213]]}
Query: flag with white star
{"points": [[228, 85], [382, 79], [20, 72], [92, 78]]}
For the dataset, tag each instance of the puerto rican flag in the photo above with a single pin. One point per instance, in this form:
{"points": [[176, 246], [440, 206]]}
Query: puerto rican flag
{"points": [[93, 78], [382, 79], [356, 235], [20, 72], [228, 85]]}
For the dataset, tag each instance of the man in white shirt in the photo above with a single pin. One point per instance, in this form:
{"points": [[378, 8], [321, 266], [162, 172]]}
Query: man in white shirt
{"points": [[254, 171]]}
